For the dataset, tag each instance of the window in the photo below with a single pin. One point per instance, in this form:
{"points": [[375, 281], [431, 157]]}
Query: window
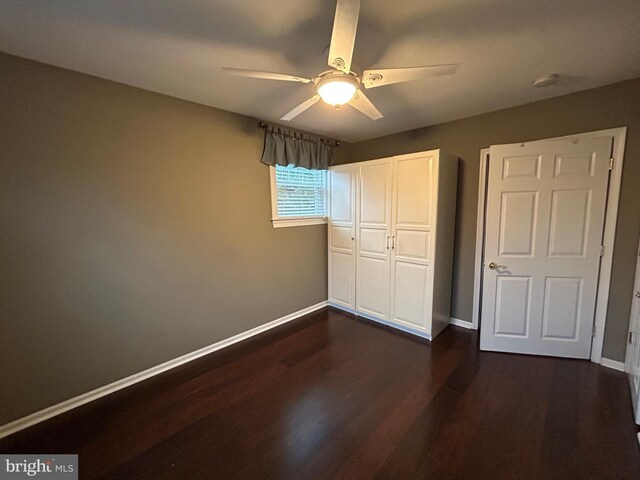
{"points": [[298, 196]]}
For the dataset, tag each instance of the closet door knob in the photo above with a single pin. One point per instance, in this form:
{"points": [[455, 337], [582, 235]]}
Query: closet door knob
{"points": [[393, 242], [387, 242]]}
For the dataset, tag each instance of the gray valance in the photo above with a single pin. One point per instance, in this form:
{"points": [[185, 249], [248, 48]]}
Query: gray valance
{"points": [[287, 147]]}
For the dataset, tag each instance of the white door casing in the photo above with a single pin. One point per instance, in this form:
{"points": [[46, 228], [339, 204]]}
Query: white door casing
{"points": [[544, 222], [374, 237], [413, 219], [342, 249]]}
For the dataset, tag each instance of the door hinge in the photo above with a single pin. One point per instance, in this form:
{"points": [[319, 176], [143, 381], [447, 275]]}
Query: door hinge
{"points": [[602, 250], [593, 331], [631, 338], [611, 163]]}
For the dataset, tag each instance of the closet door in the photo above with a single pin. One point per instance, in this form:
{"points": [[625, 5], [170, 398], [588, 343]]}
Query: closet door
{"points": [[373, 234], [411, 239], [342, 219]]}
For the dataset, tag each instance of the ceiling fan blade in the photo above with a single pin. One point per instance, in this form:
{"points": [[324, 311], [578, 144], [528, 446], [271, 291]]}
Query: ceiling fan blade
{"points": [[301, 108], [387, 76], [266, 75], [343, 36], [362, 103]]}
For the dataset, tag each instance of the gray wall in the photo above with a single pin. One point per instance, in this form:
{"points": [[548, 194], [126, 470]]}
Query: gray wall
{"points": [[134, 229], [606, 107]]}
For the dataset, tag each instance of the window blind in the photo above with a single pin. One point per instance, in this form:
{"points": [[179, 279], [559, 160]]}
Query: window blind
{"points": [[301, 192]]}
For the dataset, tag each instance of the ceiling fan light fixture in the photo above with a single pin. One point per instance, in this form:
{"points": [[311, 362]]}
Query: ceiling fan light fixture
{"points": [[336, 90]]}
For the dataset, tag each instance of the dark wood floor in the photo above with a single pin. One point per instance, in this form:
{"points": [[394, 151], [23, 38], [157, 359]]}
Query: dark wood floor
{"points": [[331, 396]]}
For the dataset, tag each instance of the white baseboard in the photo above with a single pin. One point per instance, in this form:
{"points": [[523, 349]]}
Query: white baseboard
{"points": [[461, 323], [615, 364], [40, 416]]}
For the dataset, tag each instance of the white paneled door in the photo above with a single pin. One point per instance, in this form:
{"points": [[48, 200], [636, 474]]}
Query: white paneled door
{"points": [[544, 224], [342, 249], [374, 238], [412, 218]]}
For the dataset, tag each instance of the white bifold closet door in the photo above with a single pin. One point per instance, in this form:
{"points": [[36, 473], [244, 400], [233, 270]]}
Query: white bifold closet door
{"points": [[374, 238], [342, 245]]}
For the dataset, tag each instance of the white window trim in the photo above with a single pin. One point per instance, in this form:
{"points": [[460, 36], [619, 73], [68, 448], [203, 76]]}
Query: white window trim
{"points": [[287, 221]]}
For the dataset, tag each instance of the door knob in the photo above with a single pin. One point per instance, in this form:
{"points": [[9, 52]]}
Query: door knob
{"points": [[494, 266], [638, 294]]}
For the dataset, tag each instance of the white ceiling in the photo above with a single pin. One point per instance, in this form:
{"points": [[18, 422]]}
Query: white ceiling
{"points": [[177, 47]]}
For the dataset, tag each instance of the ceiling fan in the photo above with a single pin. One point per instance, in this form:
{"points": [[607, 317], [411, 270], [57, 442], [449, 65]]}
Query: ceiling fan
{"points": [[340, 85]]}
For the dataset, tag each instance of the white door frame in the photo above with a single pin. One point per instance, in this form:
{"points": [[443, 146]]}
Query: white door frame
{"points": [[611, 216], [477, 274]]}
